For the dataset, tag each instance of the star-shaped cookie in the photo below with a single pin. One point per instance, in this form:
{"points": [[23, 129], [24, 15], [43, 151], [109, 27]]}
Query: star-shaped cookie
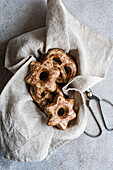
{"points": [[43, 76], [46, 97], [64, 63], [60, 112]]}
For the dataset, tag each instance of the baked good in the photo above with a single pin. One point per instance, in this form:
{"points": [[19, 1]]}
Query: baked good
{"points": [[64, 63], [43, 76], [46, 98], [60, 112], [54, 67]]}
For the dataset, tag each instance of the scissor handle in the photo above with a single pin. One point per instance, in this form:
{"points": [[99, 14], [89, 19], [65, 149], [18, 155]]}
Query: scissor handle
{"points": [[99, 127], [102, 116], [90, 96]]}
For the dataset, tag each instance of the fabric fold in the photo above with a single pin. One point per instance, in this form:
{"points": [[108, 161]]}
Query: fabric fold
{"points": [[56, 26], [24, 46], [24, 133], [82, 83], [22, 129]]}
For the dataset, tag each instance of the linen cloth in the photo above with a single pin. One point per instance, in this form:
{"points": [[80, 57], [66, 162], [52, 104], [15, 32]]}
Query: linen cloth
{"points": [[24, 133]]}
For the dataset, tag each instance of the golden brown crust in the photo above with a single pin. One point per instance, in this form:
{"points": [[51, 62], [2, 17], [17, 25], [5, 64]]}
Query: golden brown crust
{"points": [[43, 76], [55, 66], [60, 112], [46, 98], [64, 63]]}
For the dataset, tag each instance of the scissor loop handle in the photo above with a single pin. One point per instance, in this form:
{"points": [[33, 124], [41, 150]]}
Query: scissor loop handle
{"points": [[103, 119], [99, 127]]}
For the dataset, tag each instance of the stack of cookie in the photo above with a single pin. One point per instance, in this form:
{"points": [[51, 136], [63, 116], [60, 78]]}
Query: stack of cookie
{"points": [[47, 77]]}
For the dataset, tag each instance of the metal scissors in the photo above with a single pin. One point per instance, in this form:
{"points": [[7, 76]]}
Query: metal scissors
{"points": [[90, 97]]}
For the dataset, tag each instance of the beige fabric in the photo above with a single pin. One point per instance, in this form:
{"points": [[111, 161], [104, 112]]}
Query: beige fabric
{"points": [[24, 133]]}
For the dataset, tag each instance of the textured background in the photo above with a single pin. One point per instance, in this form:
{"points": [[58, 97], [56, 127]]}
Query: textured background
{"points": [[20, 16]]}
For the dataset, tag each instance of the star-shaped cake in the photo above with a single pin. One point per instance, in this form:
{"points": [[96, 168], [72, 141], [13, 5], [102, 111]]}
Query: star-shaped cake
{"points": [[60, 112], [43, 76]]}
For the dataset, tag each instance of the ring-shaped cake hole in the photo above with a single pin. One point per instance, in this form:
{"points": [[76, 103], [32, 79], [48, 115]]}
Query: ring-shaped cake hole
{"points": [[57, 60], [67, 70], [43, 94], [63, 112], [44, 76]]}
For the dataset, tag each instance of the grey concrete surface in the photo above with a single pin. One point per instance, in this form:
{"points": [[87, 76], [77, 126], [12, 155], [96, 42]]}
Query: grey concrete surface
{"points": [[84, 153]]}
